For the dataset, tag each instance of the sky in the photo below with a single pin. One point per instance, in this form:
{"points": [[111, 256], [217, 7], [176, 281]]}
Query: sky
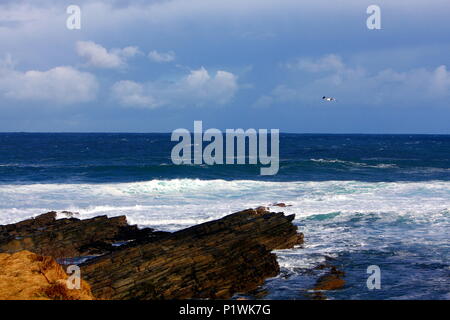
{"points": [[155, 66]]}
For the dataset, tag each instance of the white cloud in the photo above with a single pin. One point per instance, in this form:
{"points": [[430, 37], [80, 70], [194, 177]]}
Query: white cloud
{"points": [[201, 86], [161, 56], [127, 52], [63, 85], [130, 93], [440, 81], [98, 56], [198, 88], [329, 75]]}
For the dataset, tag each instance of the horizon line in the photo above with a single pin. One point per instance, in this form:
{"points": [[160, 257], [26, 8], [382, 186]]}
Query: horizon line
{"points": [[161, 132]]}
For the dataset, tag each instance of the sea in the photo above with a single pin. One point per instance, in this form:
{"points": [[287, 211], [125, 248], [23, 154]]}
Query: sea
{"points": [[360, 200]]}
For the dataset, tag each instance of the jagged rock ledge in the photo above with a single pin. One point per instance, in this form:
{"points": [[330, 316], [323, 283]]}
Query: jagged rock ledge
{"points": [[212, 260], [71, 237]]}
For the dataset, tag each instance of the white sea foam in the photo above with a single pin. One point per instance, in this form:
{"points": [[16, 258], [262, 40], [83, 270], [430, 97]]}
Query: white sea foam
{"points": [[170, 204]]}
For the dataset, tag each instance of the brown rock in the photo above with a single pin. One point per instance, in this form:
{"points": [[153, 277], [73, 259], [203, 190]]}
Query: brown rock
{"points": [[212, 260], [281, 204], [333, 280], [70, 237], [261, 210], [329, 282], [27, 276]]}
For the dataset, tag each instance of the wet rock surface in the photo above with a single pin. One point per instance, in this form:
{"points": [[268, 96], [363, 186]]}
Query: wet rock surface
{"points": [[331, 278]]}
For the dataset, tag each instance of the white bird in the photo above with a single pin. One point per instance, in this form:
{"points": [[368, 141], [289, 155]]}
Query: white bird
{"points": [[328, 98]]}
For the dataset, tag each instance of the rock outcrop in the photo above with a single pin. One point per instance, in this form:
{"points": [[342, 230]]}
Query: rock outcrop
{"points": [[70, 237], [280, 204], [212, 260], [329, 279], [332, 280], [28, 276]]}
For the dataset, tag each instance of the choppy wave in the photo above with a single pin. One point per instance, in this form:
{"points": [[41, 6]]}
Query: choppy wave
{"points": [[401, 226], [157, 200], [356, 164]]}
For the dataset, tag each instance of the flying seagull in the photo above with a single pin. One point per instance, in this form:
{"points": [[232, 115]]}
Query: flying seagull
{"points": [[328, 98]]}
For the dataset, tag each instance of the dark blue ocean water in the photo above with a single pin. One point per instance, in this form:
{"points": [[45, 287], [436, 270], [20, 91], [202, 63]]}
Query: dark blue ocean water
{"points": [[106, 157], [360, 200]]}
